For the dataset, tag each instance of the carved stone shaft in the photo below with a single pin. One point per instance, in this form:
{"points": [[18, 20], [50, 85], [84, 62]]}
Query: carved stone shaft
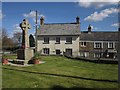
{"points": [[25, 39]]}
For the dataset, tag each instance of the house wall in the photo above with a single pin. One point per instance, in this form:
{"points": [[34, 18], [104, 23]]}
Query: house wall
{"points": [[89, 48], [62, 46]]}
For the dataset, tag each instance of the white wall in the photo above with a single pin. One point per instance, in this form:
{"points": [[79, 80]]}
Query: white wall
{"points": [[62, 46]]}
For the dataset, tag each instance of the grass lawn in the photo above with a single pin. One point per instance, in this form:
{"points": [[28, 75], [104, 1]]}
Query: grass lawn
{"points": [[61, 72]]}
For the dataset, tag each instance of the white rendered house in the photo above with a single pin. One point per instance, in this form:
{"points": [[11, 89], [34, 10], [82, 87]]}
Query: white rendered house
{"points": [[58, 38]]}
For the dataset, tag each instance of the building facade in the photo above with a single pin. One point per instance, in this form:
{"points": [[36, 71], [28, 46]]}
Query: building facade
{"points": [[98, 44], [58, 38], [66, 38]]}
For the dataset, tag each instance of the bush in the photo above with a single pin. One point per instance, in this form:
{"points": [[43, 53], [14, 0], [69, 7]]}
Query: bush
{"points": [[37, 55]]}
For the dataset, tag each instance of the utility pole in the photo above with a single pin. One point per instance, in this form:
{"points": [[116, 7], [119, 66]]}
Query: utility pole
{"points": [[36, 34], [119, 43]]}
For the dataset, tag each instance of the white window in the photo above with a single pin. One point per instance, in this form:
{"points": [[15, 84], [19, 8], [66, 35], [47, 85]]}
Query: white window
{"points": [[97, 55], [84, 54], [98, 45], [83, 44], [46, 51], [110, 45]]}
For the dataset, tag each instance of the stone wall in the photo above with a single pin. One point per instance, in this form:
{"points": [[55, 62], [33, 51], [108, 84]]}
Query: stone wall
{"points": [[91, 50]]}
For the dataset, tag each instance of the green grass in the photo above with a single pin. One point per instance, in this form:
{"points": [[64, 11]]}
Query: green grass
{"points": [[59, 65], [10, 56]]}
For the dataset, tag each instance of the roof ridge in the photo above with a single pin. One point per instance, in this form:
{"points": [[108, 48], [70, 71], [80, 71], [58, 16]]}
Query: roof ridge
{"points": [[100, 31], [58, 23]]}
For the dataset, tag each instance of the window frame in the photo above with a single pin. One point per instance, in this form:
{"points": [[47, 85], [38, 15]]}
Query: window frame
{"points": [[46, 51], [84, 54], [113, 45], [97, 55], [57, 42], [59, 51], [68, 40], [101, 46], [46, 41], [83, 44]]}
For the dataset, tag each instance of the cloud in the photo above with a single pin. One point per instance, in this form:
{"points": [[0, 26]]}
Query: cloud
{"points": [[101, 15], [1, 15], [32, 15], [93, 28], [96, 4], [116, 25], [16, 28]]}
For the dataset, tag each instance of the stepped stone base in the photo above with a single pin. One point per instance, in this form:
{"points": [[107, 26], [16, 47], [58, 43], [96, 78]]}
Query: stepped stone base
{"points": [[25, 54]]}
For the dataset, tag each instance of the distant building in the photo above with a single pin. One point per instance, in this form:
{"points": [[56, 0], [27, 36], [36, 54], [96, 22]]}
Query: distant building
{"points": [[98, 44], [66, 38]]}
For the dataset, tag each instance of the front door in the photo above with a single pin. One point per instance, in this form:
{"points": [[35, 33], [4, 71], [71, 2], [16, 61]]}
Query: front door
{"points": [[68, 52], [57, 52]]}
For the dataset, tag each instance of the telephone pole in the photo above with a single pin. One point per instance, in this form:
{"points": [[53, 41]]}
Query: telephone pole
{"points": [[36, 34], [119, 43]]}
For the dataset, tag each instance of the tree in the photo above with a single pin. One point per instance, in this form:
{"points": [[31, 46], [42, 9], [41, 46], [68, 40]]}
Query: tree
{"points": [[17, 37], [6, 41], [31, 41]]}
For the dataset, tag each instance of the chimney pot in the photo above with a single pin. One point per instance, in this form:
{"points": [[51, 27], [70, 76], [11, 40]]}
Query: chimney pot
{"points": [[89, 28], [41, 20], [77, 20]]}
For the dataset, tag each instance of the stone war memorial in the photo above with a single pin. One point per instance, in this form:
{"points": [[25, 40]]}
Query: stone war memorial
{"points": [[26, 53]]}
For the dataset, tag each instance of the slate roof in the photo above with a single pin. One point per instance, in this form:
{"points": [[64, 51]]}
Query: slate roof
{"points": [[74, 29], [99, 36], [59, 29]]}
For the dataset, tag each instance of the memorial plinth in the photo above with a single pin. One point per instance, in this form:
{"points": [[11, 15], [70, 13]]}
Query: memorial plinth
{"points": [[25, 54]]}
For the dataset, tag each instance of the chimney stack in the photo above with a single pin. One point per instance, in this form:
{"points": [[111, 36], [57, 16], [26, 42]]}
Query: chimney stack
{"points": [[89, 28], [42, 21], [77, 20]]}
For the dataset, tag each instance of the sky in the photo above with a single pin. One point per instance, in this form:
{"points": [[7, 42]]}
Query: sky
{"points": [[103, 16]]}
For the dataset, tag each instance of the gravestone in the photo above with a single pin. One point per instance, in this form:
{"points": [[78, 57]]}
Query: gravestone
{"points": [[26, 53]]}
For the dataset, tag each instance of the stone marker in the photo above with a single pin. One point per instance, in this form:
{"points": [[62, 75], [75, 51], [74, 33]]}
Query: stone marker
{"points": [[26, 53], [25, 26]]}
